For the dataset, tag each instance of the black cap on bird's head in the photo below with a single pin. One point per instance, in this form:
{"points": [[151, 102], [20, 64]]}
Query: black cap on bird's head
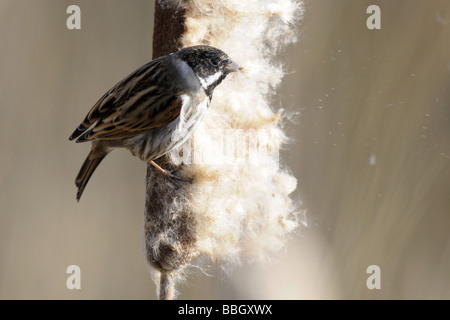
{"points": [[211, 65]]}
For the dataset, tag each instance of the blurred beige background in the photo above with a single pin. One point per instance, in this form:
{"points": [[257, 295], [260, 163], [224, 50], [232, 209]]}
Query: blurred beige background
{"points": [[371, 152]]}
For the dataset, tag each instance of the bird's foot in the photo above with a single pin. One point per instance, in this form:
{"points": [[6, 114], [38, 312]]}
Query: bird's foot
{"points": [[171, 174]]}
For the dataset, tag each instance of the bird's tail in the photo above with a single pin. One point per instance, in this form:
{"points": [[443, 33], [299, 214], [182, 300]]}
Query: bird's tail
{"points": [[87, 169]]}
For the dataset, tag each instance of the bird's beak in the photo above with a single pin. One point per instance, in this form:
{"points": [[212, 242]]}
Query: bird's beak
{"points": [[233, 67]]}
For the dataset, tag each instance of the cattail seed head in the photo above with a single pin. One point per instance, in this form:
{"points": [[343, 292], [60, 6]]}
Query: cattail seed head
{"points": [[238, 204]]}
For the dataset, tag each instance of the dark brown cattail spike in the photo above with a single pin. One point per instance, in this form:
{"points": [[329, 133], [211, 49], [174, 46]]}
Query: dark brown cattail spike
{"points": [[170, 227], [169, 234]]}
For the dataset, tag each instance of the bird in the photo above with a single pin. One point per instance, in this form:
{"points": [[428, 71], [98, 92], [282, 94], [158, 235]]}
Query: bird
{"points": [[153, 110]]}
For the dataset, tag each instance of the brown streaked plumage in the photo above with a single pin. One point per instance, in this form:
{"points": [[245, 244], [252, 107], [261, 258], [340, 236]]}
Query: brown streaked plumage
{"points": [[154, 109]]}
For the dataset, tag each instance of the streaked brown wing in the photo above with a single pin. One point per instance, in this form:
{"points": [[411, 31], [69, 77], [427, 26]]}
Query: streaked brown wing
{"points": [[120, 126], [103, 106], [133, 105]]}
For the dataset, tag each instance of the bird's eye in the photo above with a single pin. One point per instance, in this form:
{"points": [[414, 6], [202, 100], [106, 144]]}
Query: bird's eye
{"points": [[223, 63]]}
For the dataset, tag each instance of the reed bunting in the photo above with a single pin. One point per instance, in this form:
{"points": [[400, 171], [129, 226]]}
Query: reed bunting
{"points": [[153, 110]]}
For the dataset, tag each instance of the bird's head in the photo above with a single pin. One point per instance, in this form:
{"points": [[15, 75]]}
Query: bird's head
{"points": [[209, 64]]}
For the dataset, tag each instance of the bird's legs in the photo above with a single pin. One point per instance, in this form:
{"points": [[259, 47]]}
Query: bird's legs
{"points": [[168, 173], [165, 172]]}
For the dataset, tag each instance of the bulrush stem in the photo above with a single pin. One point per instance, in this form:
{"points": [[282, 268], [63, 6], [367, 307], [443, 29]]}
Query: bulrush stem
{"points": [[169, 230], [166, 286]]}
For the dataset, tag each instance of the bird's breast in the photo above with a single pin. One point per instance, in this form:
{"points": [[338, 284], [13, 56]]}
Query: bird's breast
{"points": [[192, 112], [159, 141]]}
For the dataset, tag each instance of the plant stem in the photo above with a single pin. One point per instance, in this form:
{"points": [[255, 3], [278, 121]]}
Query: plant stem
{"points": [[168, 30], [166, 286]]}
